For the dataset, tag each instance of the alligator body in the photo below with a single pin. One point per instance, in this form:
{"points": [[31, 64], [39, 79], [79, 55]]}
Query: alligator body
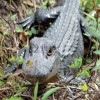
{"points": [[60, 45]]}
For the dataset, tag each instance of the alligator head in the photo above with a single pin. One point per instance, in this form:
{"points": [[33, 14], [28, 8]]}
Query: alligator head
{"points": [[42, 60]]}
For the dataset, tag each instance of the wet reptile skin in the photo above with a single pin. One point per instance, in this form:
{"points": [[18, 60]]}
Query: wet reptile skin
{"points": [[60, 45]]}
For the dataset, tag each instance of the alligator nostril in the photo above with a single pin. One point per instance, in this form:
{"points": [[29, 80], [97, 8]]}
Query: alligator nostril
{"points": [[51, 70]]}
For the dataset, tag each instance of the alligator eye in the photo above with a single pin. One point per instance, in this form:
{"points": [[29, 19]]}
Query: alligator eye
{"points": [[51, 51], [33, 48]]}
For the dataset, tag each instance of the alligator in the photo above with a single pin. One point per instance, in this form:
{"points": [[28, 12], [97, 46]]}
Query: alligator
{"points": [[60, 45]]}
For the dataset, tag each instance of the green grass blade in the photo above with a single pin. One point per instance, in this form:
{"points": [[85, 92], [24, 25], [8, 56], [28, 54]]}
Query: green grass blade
{"points": [[36, 91], [49, 92], [88, 15]]}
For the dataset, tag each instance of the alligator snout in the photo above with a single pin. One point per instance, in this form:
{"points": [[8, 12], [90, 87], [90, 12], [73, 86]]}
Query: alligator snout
{"points": [[41, 67], [36, 68]]}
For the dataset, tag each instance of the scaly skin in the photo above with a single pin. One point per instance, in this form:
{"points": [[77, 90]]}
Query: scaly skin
{"points": [[59, 46]]}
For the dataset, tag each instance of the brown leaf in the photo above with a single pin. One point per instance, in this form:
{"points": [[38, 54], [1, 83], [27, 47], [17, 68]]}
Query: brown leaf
{"points": [[23, 37], [17, 72]]}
